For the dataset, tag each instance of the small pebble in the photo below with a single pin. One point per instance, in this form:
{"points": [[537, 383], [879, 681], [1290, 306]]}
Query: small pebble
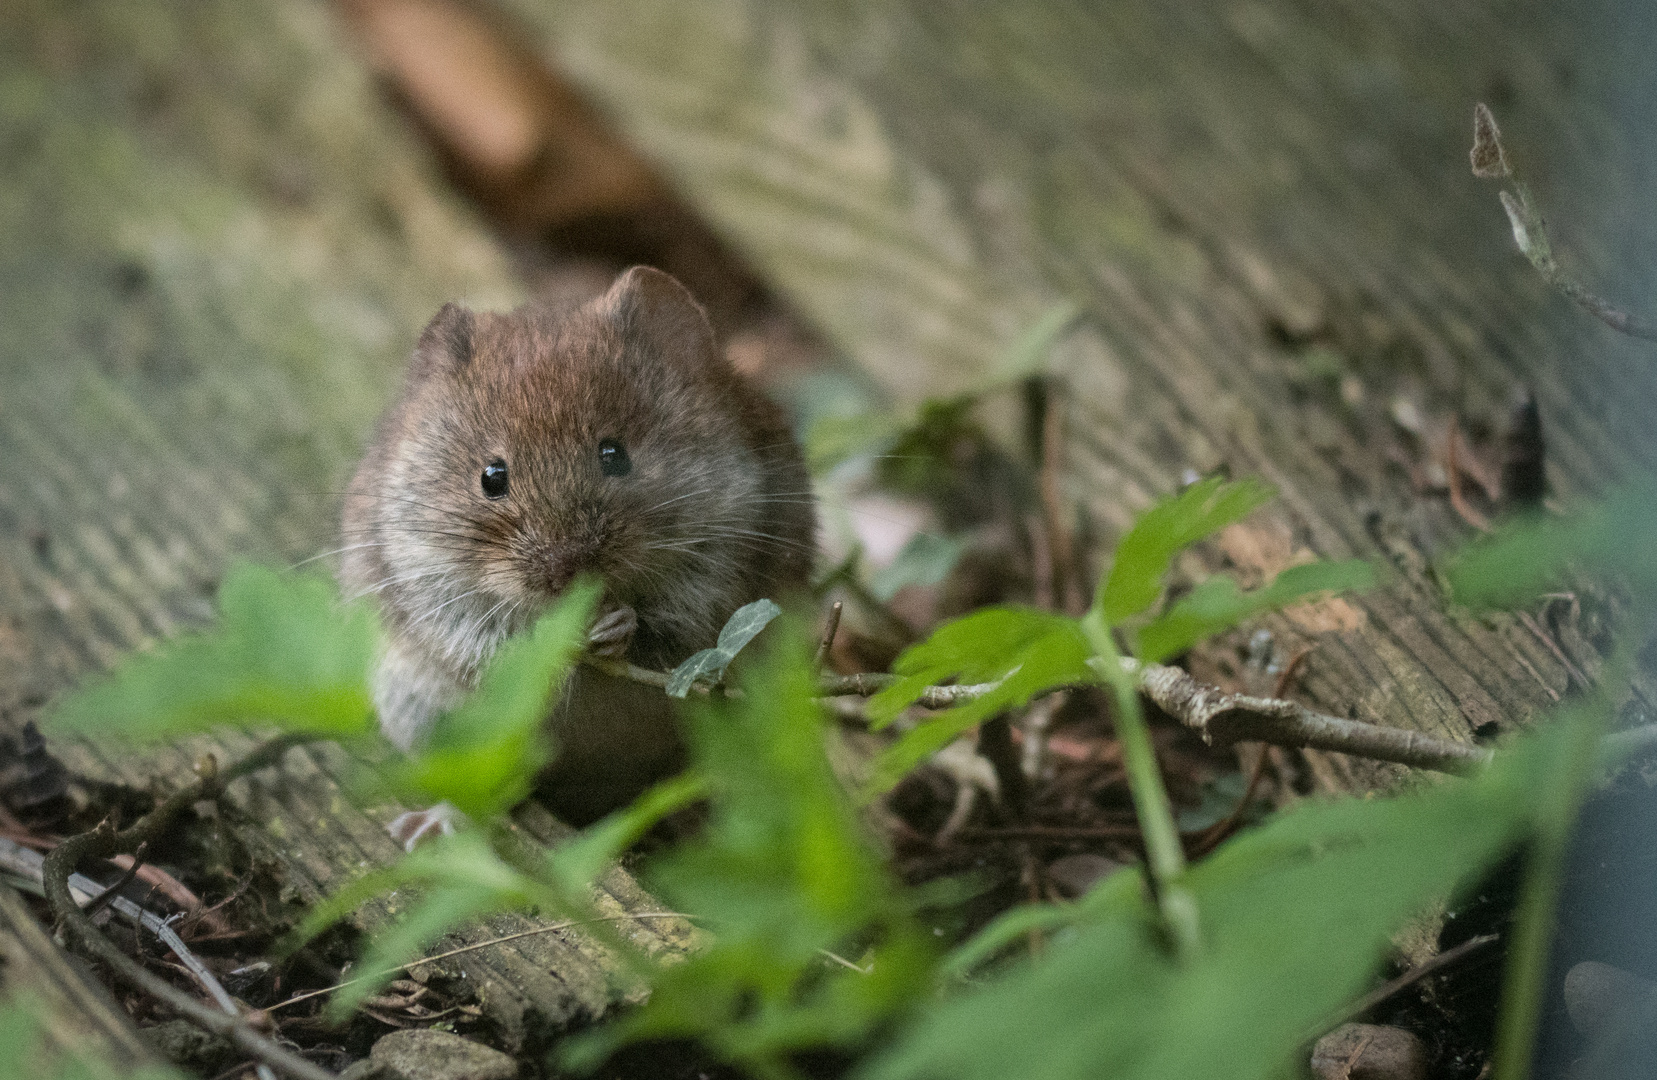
{"points": [[1076, 874], [425, 1054], [1369, 1052], [1596, 993]]}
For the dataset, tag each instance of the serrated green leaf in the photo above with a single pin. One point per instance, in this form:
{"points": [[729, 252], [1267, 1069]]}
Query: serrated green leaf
{"points": [[1528, 557], [925, 560], [785, 870], [483, 756], [1217, 604], [710, 664], [1025, 652], [440, 910], [1145, 553], [977, 648], [285, 653], [444, 882], [1296, 914]]}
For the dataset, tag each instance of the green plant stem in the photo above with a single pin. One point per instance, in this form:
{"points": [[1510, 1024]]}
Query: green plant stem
{"points": [[1164, 856], [1530, 947]]}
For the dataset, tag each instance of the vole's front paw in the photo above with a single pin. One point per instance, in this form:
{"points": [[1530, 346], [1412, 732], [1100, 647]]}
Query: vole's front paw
{"points": [[613, 632], [411, 828]]}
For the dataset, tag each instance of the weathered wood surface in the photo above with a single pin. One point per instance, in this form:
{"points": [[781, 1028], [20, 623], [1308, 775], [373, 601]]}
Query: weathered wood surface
{"points": [[1266, 211], [216, 247], [77, 1015]]}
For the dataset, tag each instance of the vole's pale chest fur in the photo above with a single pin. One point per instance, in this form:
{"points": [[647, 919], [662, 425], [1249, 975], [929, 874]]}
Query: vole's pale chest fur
{"points": [[530, 447]]}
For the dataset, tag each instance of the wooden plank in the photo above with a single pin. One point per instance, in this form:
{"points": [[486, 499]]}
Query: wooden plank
{"points": [[1266, 212], [216, 248]]}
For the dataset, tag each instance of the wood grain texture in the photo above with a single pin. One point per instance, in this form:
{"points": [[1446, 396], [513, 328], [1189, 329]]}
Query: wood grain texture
{"points": [[216, 248], [1266, 211]]}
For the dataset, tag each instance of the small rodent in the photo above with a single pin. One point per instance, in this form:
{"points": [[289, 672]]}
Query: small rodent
{"points": [[526, 448]]}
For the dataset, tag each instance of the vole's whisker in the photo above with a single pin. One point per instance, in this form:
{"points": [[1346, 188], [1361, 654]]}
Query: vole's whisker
{"points": [[434, 611], [336, 551], [484, 618], [389, 498], [676, 498], [732, 532], [419, 530], [397, 579]]}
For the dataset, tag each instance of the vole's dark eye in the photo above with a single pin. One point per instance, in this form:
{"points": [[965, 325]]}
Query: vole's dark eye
{"points": [[494, 479], [613, 459]]}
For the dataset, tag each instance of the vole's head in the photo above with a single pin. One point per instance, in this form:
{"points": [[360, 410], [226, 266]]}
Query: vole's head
{"points": [[529, 448]]}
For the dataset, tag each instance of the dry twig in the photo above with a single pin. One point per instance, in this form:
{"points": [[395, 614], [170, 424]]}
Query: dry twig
{"points": [[1530, 231], [103, 841], [1222, 718], [830, 628]]}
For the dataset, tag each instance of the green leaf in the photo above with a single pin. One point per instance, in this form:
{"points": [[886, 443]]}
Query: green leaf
{"points": [[1145, 553], [577, 862], [442, 883], [710, 664], [833, 439], [784, 870], [434, 914], [1217, 604], [1027, 355], [1531, 556], [1022, 650], [1296, 916], [23, 1022], [925, 560], [451, 880], [925, 457], [285, 653], [483, 756]]}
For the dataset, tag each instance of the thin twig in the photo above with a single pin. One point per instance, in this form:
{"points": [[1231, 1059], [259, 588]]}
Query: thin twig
{"points": [[1222, 718], [1067, 588], [1414, 975], [103, 899], [104, 841], [1291, 670], [1552, 646], [830, 628], [1530, 232], [474, 947], [1210, 838]]}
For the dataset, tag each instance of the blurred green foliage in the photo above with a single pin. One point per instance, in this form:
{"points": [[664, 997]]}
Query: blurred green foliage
{"points": [[285, 652], [22, 1032], [482, 757], [787, 879], [1295, 918], [813, 945]]}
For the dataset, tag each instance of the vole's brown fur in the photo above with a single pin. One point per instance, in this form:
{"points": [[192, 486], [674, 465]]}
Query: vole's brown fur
{"points": [[714, 512]]}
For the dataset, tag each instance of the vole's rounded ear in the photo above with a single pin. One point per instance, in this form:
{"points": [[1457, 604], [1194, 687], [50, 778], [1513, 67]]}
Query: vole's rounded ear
{"points": [[446, 343], [653, 309]]}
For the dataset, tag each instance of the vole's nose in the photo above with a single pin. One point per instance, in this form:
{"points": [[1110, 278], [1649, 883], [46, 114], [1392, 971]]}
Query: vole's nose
{"points": [[561, 565]]}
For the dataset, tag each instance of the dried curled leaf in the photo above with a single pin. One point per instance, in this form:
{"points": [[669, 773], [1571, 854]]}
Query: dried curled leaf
{"points": [[1489, 159]]}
